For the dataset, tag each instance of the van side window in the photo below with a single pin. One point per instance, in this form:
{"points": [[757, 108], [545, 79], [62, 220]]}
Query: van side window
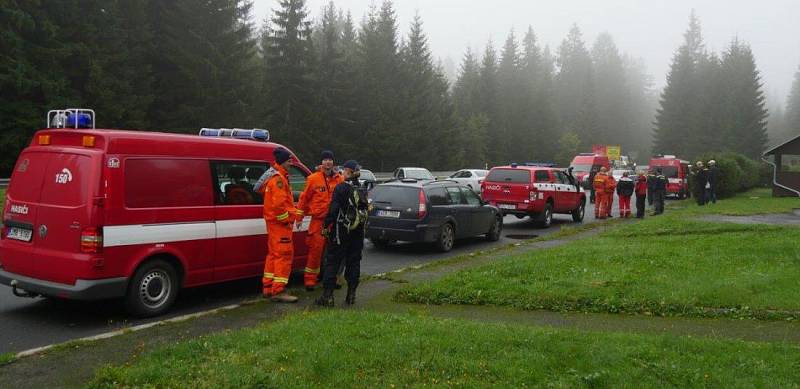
{"points": [[297, 179], [164, 182], [541, 176], [234, 181]]}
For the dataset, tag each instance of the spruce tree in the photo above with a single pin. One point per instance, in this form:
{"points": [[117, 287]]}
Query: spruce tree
{"points": [[289, 62], [574, 89], [679, 114], [745, 114], [472, 122], [488, 102], [613, 123], [793, 109]]}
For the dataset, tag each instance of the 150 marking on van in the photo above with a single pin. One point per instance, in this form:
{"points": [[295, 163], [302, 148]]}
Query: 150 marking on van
{"points": [[64, 177]]}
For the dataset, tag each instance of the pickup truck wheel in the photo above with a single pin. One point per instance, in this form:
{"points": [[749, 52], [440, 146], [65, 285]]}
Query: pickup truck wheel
{"points": [[497, 228], [578, 213], [446, 238], [546, 216], [153, 289]]}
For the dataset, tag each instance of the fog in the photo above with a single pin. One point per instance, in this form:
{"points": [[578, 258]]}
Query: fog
{"points": [[650, 29]]}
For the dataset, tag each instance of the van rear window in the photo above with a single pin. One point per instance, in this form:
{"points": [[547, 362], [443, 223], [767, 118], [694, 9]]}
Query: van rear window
{"points": [[68, 180], [521, 176], [27, 176], [162, 183]]}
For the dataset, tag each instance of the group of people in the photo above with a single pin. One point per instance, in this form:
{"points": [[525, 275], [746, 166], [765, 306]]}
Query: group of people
{"points": [[338, 211], [651, 187], [706, 179]]}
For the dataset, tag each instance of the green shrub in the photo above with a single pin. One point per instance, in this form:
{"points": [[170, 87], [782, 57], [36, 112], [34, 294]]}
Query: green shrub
{"points": [[737, 172]]}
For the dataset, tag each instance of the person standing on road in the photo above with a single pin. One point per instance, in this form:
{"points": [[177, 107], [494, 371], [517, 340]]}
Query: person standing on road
{"points": [[713, 180], [599, 184], [280, 215], [660, 191], [625, 188], [315, 201], [641, 194], [344, 226], [592, 174], [611, 186], [651, 183]]}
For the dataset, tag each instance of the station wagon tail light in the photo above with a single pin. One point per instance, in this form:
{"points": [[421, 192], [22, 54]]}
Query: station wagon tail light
{"points": [[92, 240], [88, 141], [423, 205], [44, 140]]}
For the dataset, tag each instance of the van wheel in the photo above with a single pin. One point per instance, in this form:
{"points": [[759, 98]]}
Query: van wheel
{"points": [[446, 238], [497, 228], [153, 289], [546, 216], [577, 214]]}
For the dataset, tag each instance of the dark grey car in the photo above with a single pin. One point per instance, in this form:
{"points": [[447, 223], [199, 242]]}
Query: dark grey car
{"points": [[429, 211]]}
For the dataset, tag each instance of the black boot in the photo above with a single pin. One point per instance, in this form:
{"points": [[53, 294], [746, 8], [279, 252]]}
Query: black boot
{"points": [[351, 295], [326, 300]]}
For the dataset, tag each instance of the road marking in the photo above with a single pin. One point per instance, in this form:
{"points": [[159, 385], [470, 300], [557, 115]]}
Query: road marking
{"points": [[136, 328]]}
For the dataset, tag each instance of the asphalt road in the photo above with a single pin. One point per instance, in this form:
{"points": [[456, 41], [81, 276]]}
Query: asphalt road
{"points": [[28, 323]]}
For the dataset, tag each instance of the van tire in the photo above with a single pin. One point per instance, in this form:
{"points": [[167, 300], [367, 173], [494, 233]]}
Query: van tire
{"points": [[153, 289], [545, 218]]}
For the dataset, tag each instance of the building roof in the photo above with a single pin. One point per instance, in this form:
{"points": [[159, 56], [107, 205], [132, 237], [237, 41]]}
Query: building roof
{"points": [[770, 151]]}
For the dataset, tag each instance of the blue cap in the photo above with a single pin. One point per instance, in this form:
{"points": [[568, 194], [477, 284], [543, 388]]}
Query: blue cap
{"points": [[351, 164]]}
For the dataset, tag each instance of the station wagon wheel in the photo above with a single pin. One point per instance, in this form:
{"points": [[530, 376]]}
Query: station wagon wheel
{"points": [[153, 289], [497, 227], [446, 237]]}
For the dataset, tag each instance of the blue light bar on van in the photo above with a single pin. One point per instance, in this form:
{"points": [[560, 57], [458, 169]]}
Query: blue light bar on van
{"points": [[236, 133], [540, 164], [79, 120]]}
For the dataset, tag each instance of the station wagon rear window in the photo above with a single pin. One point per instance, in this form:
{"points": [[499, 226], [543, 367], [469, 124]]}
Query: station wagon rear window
{"points": [[520, 176], [396, 196]]}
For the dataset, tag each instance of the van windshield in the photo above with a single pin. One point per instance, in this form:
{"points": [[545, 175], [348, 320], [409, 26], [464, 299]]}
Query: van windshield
{"points": [[520, 176], [582, 168], [669, 171]]}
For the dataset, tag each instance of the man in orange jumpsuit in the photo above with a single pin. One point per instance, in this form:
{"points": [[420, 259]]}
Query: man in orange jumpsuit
{"points": [[280, 215], [611, 187], [601, 197], [314, 202]]}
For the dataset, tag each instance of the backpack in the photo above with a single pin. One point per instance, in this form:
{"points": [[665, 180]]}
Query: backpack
{"points": [[355, 213]]}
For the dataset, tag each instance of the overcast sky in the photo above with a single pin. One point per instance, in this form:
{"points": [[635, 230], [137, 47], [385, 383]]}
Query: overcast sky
{"points": [[650, 29]]}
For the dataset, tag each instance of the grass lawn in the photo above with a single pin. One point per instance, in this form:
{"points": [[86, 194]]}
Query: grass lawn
{"points": [[667, 265], [362, 349], [753, 202]]}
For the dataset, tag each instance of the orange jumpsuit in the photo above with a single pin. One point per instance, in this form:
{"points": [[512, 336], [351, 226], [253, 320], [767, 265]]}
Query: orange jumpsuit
{"points": [[280, 215], [611, 187], [601, 195], [314, 201]]}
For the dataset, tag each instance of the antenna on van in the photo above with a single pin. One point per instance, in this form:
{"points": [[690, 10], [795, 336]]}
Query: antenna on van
{"points": [[71, 118], [236, 133]]}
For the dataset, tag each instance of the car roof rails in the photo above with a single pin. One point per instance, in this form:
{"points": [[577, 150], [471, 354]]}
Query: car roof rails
{"points": [[409, 180], [439, 181]]}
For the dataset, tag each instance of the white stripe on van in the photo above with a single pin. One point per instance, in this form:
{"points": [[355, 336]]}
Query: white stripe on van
{"points": [[128, 235]]}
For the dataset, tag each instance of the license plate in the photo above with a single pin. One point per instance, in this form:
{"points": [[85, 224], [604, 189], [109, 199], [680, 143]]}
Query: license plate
{"points": [[19, 234], [394, 214], [507, 206]]}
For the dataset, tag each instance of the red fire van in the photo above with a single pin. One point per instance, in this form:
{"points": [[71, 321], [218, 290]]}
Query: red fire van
{"points": [[95, 214]]}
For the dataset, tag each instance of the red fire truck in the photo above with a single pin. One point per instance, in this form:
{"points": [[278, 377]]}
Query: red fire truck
{"points": [[676, 171]]}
